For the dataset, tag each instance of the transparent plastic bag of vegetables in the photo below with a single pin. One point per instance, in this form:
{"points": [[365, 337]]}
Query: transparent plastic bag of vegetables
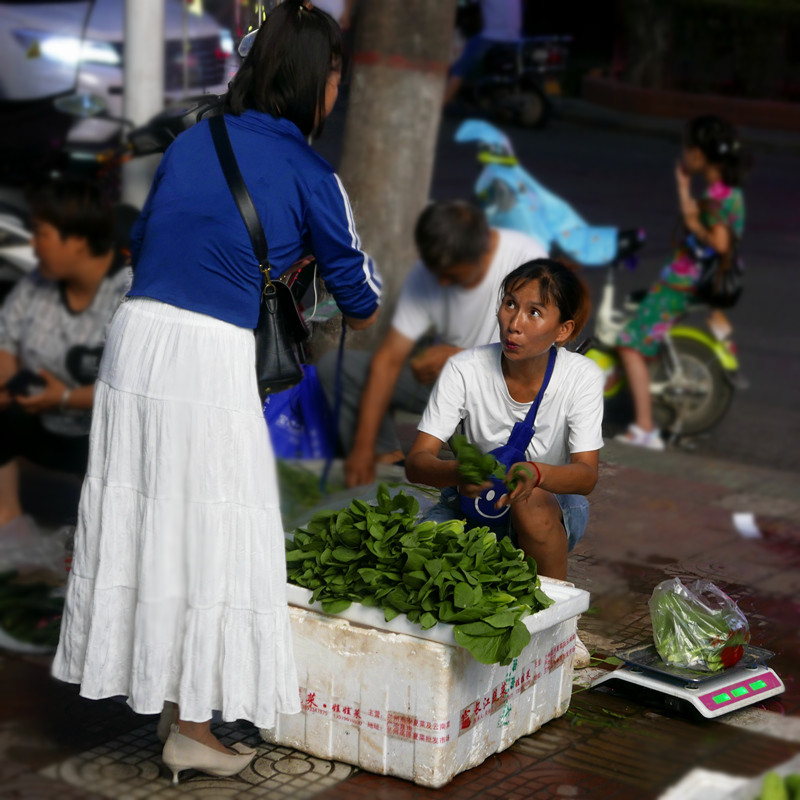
{"points": [[697, 626]]}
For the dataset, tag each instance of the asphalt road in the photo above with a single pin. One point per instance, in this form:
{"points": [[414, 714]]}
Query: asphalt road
{"points": [[625, 178]]}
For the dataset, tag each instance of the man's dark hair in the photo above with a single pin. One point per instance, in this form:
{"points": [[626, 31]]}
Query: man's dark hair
{"points": [[75, 207], [451, 232], [287, 69]]}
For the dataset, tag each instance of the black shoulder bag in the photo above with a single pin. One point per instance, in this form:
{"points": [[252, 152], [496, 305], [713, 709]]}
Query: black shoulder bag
{"points": [[721, 277], [281, 328]]}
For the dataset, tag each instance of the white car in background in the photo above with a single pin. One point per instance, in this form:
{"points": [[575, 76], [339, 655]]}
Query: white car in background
{"points": [[48, 49]]}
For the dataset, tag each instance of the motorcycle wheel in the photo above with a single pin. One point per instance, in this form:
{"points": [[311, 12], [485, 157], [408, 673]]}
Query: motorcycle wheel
{"points": [[534, 109], [703, 401]]}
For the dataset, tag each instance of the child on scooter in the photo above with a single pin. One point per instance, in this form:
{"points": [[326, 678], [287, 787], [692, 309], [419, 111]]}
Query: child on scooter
{"points": [[711, 150]]}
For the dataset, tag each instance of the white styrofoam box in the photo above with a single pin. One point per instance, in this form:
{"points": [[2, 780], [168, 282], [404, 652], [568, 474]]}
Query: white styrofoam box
{"points": [[702, 784], [394, 699]]}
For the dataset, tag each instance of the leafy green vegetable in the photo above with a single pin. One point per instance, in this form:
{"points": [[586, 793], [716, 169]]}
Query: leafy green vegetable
{"points": [[515, 476], [380, 555], [476, 467], [697, 627], [473, 465], [774, 787], [29, 612], [792, 783], [299, 489]]}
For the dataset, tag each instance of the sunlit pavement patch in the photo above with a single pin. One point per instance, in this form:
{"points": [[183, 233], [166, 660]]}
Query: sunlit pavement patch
{"points": [[130, 768]]}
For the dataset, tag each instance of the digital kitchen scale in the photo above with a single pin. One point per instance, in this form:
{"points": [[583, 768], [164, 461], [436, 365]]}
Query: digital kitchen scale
{"points": [[711, 694]]}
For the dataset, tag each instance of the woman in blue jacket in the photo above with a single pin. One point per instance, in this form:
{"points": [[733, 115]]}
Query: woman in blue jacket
{"points": [[177, 590]]}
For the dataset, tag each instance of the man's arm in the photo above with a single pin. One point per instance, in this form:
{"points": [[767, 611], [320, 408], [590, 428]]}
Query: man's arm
{"points": [[384, 370], [429, 363]]}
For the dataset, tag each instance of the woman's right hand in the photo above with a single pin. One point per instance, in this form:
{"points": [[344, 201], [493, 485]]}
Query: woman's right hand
{"points": [[360, 324]]}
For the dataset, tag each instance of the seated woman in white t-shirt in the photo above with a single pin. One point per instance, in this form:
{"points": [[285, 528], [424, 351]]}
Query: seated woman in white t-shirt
{"points": [[490, 388]]}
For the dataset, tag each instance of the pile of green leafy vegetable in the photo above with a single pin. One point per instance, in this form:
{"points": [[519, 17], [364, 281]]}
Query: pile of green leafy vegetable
{"points": [[28, 610], [475, 467], [380, 555], [689, 632], [775, 787]]}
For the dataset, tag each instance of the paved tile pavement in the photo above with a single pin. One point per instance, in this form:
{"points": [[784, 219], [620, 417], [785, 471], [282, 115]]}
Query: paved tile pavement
{"points": [[654, 516]]}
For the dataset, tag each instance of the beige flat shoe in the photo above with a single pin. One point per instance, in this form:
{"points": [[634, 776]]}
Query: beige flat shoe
{"points": [[180, 753]]}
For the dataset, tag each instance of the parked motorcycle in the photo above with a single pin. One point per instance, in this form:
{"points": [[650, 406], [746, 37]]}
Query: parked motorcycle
{"points": [[516, 79], [103, 165], [694, 374]]}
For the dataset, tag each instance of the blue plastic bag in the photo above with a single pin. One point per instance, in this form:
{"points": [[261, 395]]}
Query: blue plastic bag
{"points": [[299, 420]]}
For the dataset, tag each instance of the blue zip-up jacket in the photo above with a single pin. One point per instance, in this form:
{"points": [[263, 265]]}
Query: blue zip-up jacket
{"points": [[190, 247]]}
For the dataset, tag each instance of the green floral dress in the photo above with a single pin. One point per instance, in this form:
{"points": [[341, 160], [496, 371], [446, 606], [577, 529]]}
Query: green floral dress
{"points": [[672, 293]]}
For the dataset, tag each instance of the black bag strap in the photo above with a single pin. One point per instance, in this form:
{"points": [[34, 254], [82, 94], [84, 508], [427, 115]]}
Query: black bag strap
{"points": [[233, 175]]}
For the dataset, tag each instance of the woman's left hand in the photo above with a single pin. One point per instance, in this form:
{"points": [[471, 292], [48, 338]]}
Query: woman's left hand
{"points": [[47, 399], [527, 479]]}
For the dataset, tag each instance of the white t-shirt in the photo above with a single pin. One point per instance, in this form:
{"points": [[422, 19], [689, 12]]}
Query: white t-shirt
{"points": [[502, 19], [471, 387], [462, 317]]}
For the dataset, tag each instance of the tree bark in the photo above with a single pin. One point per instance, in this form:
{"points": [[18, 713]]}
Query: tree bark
{"points": [[400, 61]]}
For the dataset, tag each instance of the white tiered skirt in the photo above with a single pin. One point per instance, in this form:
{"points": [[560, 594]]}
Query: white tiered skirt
{"points": [[178, 583]]}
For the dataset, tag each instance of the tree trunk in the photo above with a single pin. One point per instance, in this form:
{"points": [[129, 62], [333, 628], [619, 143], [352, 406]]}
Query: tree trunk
{"points": [[402, 50]]}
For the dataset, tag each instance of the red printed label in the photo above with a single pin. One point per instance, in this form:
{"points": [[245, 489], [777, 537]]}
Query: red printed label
{"points": [[392, 723]]}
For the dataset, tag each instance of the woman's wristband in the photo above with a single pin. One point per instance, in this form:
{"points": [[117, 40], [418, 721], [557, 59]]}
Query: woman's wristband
{"points": [[538, 473], [62, 406]]}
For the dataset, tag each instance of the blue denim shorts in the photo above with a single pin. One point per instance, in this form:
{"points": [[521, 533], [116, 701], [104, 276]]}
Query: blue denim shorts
{"points": [[574, 509]]}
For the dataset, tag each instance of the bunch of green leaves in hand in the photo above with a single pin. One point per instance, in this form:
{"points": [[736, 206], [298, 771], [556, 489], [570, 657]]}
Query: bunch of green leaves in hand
{"points": [[474, 466], [380, 555]]}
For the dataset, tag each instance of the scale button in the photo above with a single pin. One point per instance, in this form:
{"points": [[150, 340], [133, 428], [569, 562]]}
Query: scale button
{"points": [[721, 698], [758, 685], [739, 691]]}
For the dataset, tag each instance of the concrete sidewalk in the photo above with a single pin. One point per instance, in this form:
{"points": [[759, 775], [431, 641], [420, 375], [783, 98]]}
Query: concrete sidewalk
{"points": [[654, 516]]}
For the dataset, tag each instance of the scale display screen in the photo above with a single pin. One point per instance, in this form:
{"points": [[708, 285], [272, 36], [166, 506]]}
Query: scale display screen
{"points": [[737, 691]]}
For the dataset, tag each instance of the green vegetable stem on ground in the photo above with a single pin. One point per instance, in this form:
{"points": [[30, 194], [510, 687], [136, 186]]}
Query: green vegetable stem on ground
{"points": [[380, 555]]}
